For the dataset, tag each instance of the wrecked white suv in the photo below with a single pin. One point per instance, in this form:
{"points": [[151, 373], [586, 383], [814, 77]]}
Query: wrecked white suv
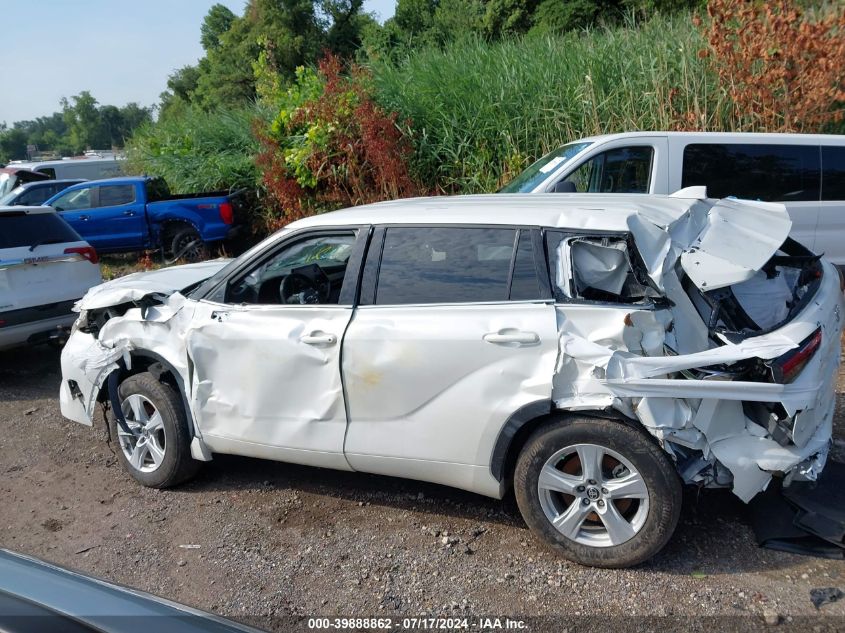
{"points": [[594, 352]]}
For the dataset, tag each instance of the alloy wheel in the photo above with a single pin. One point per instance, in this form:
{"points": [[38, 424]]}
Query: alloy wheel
{"points": [[593, 495]]}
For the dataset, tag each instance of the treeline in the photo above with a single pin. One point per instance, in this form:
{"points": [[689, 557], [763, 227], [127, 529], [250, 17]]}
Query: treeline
{"points": [[82, 124], [276, 37]]}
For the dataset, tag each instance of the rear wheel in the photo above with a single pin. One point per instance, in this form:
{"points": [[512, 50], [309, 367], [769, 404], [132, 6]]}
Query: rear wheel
{"points": [[187, 244], [157, 452], [598, 491]]}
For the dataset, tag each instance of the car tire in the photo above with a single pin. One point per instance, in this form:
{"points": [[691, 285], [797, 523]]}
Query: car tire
{"points": [[618, 512], [161, 456], [187, 244]]}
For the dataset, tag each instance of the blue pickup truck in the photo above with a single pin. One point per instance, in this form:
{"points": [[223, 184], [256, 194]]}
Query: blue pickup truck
{"points": [[138, 213]]}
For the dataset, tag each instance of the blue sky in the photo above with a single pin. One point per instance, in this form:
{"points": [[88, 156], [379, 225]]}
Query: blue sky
{"points": [[119, 50]]}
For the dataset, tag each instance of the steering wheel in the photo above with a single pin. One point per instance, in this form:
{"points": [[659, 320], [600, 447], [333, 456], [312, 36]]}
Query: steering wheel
{"points": [[297, 288]]}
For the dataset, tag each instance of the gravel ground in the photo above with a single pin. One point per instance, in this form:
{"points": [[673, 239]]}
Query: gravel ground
{"points": [[273, 543]]}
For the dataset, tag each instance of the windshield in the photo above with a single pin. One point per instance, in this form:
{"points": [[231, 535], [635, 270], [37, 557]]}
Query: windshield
{"points": [[7, 199], [537, 172]]}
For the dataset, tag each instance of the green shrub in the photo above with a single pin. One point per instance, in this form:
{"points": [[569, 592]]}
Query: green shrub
{"points": [[481, 111], [195, 150]]}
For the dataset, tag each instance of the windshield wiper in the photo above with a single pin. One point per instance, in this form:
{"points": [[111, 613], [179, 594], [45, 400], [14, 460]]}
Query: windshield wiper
{"points": [[52, 240]]}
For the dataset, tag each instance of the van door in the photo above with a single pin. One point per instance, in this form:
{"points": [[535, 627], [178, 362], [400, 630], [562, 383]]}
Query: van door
{"points": [[830, 237], [637, 164]]}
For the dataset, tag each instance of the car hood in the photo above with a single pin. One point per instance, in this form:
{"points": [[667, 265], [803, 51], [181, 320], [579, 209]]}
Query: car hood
{"points": [[164, 281]]}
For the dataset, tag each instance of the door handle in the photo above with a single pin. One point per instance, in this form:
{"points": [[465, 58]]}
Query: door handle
{"points": [[128, 213], [504, 337], [84, 217], [318, 338]]}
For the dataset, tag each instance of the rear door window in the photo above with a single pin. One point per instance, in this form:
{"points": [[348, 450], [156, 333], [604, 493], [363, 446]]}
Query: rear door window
{"points": [[620, 170], [769, 173], [833, 176], [455, 265], [26, 229], [116, 195]]}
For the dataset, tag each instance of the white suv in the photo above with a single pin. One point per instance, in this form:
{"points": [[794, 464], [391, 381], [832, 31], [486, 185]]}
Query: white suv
{"points": [[593, 352], [45, 267]]}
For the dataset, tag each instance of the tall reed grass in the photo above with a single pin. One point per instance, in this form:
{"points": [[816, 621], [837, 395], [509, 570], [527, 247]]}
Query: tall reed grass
{"points": [[480, 112], [198, 150]]}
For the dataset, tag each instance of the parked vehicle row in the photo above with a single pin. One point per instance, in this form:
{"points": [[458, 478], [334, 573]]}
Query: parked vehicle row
{"points": [[804, 172], [594, 352]]}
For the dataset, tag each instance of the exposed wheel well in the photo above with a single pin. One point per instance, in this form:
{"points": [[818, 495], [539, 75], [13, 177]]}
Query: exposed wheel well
{"points": [[505, 469], [142, 361]]}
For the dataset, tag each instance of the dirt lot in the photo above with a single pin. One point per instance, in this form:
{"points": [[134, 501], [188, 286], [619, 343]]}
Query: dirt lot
{"points": [[274, 543]]}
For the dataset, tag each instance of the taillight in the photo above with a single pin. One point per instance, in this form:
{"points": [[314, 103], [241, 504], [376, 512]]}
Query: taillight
{"points": [[787, 367], [227, 213], [87, 252]]}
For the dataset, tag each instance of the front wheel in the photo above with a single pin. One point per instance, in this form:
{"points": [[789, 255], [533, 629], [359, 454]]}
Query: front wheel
{"points": [[157, 452], [598, 491]]}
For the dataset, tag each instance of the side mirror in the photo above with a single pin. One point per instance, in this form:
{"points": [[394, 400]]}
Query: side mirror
{"points": [[564, 186]]}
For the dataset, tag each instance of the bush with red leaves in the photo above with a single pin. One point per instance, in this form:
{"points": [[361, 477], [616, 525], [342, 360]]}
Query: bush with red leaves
{"points": [[331, 146]]}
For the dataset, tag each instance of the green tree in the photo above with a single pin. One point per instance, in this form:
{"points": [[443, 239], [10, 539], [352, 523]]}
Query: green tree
{"points": [[85, 127], [217, 21]]}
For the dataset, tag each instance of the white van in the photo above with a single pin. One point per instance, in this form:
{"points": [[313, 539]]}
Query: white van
{"points": [[805, 172], [84, 168]]}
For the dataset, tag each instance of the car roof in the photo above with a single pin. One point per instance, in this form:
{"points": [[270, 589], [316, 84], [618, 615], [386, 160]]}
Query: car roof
{"points": [[47, 183], [608, 212], [836, 139], [117, 180], [27, 210]]}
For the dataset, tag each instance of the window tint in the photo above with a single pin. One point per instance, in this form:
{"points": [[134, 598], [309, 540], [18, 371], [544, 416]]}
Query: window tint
{"points": [[308, 271], [115, 195], [833, 178], [444, 265], [47, 171], [26, 229], [35, 196], [595, 268], [73, 200], [524, 283], [622, 170], [754, 172]]}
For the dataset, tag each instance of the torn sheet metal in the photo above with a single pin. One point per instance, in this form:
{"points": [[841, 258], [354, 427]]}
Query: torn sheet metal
{"points": [[620, 357]]}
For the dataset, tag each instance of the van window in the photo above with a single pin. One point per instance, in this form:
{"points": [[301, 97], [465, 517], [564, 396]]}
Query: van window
{"points": [[833, 176], [620, 170], [771, 173], [47, 171], [116, 195], [444, 265]]}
